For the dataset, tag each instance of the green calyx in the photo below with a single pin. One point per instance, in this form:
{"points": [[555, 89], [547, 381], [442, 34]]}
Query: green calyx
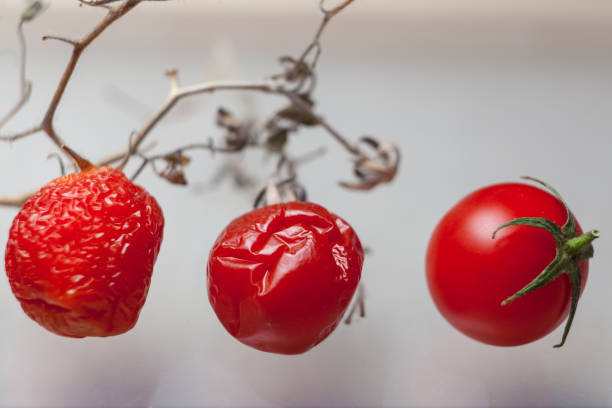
{"points": [[571, 250]]}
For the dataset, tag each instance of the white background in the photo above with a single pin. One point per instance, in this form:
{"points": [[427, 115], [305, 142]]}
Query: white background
{"points": [[474, 93]]}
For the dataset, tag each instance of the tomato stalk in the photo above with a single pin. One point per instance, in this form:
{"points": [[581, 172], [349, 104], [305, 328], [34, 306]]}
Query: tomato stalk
{"points": [[281, 188], [82, 163], [571, 250]]}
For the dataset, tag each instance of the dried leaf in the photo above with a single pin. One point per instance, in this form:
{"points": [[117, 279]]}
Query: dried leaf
{"points": [[375, 170], [175, 175], [297, 115], [237, 139], [226, 120], [277, 139], [359, 185], [293, 70], [370, 141], [177, 159]]}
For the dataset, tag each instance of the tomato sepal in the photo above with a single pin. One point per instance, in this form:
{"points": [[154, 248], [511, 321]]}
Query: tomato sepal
{"points": [[571, 250]]}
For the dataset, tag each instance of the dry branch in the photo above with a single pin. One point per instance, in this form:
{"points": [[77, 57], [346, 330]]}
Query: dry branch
{"points": [[296, 84]]}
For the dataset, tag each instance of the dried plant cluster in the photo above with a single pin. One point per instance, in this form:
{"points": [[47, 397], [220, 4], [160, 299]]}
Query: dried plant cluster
{"points": [[374, 162]]}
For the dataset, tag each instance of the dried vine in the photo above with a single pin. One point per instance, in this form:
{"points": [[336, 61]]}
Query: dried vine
{"points": [[374, 162]]}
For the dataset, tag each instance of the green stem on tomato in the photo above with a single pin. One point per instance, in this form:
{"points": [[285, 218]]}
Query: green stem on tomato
{"points": [[571, 250], [578, 244]]}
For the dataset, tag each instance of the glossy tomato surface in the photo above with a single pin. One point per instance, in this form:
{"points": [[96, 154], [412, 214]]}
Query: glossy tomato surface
{"points": [[81, 251], [469, 274], [281, 277]]}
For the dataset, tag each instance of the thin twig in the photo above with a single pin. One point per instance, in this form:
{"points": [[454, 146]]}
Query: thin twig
{"points": [[25, 85], [193, 146], [358, 304], [79, 46], [95, 3], [177, 93], [15, 201], [22, 134], [19, 200], [59, 161], [99, 3], [299, 102], [114, 158], [316, 42], [275, 85], [72, 42], [267, 86], [210, 146]]}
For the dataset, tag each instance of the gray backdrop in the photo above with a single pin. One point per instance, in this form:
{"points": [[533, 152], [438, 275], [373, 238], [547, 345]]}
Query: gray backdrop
{"points": [[471, 101]]}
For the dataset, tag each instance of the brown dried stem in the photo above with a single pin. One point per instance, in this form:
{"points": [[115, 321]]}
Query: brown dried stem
{"points": [[358, 304], [316, 42], [102, 3], [28, 14], [267, 86], [15, 201], [305, 107], [25, 85], [78, 47], [19, 200], [177, 93], [371, 170], [375, 168], [177, 155]]}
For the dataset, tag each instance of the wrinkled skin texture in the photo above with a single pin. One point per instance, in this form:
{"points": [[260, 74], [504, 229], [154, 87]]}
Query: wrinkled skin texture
{"points": [[81, 252], [470, 274], [281, 277]]}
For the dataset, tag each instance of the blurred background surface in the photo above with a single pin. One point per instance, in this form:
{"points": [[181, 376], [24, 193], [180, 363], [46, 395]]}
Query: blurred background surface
{"points": [[474, 92]]}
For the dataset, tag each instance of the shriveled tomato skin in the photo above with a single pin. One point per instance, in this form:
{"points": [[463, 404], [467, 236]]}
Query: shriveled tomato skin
{"points": [[469, 274], [81, 252], [281, 277]]}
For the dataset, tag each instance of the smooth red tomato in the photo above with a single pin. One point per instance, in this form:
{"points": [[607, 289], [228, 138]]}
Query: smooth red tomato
{"points": [[469, 274], [281, 277]]}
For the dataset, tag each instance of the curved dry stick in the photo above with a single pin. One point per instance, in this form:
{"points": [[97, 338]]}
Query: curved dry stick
{"points": [[17, 200], [267, 86], [22, 134], [102, 3], [327, 16], [272, 86], [79, 46], [299, 102], [20, 199], [25, 85], [177, 93]]}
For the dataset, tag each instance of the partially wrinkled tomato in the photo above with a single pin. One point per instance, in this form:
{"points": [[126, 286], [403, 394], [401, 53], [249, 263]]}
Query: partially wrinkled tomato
{"points": [[469, 273], [281, 277]]}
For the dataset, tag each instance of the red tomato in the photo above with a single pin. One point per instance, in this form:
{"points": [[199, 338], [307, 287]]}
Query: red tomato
{"points": [[281, 277], [469, 274], [81, 252]]}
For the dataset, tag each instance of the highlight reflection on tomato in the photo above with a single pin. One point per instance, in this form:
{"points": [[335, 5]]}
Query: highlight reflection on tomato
{"points": [[281, 277], [469, 274]]}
